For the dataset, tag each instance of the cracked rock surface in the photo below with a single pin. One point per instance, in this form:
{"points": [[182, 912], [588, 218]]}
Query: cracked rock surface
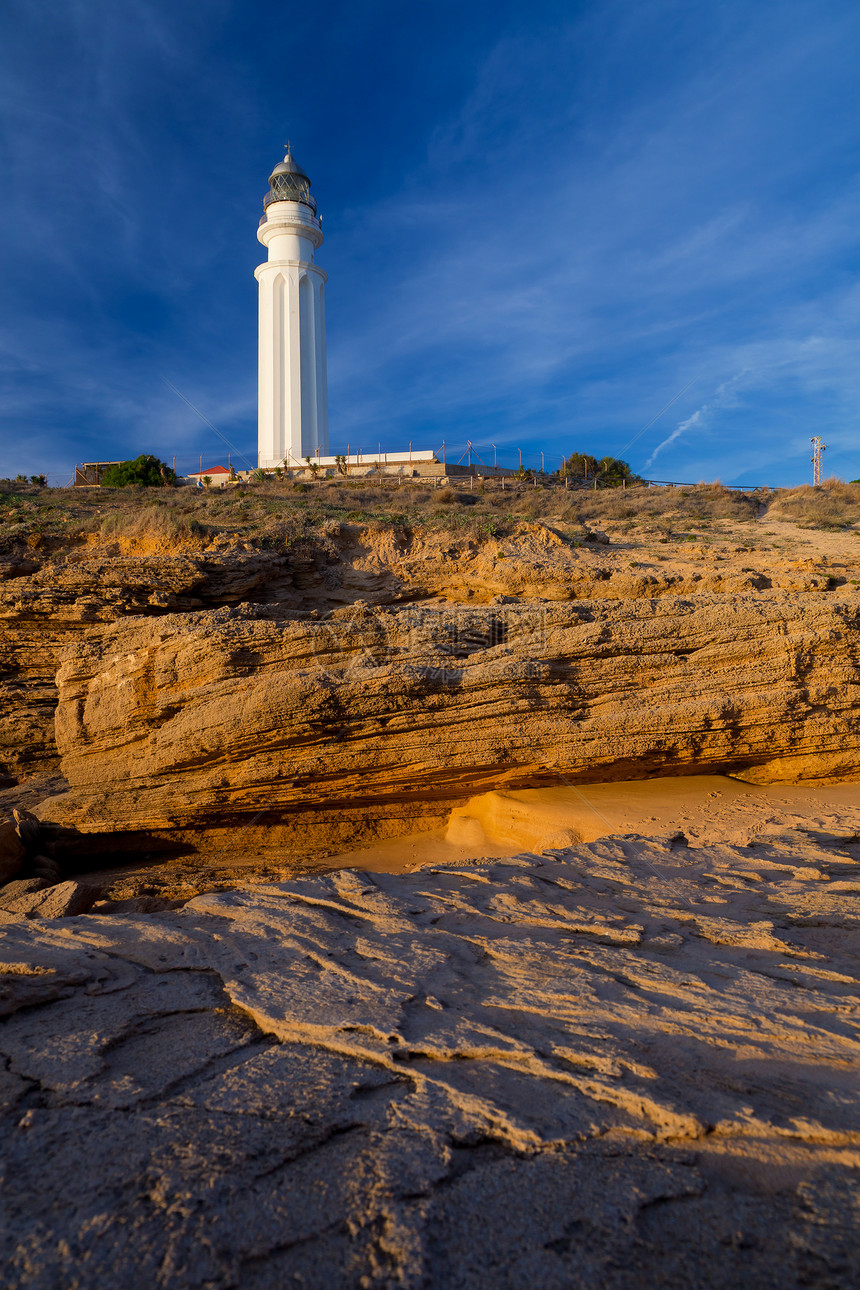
{"points": [[628, 1064]]}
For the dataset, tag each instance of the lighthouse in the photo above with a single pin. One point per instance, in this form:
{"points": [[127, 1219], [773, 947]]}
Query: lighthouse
{"points": [[293, 402]]}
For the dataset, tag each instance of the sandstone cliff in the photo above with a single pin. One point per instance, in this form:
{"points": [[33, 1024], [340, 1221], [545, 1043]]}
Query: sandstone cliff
{"points": [[319, 728], [364, 680]]}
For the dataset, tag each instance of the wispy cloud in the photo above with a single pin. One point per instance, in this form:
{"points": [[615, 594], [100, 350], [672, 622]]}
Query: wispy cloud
{"points": [[724, 396]]}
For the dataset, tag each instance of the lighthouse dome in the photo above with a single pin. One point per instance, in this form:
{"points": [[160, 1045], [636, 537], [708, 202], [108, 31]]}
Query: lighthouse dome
{"points": [[289, 183]]}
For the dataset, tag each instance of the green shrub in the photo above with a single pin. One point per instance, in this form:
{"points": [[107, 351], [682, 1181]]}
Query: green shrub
{"points": [[146, 471], [579, 465], [609, 472]]}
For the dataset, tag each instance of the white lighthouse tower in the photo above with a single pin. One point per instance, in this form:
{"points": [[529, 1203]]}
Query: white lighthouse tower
{"points": [[293, 402]]}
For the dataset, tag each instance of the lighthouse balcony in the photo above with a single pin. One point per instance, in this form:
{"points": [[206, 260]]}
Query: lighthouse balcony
{"points": [[282, 209], [283, 195], [314, 223]]}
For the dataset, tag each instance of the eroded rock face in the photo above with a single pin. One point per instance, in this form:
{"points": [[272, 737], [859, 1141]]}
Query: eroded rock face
{"points": [[371, 716], [43, 608], [47, 603], [326, 696], [625, 1065]]}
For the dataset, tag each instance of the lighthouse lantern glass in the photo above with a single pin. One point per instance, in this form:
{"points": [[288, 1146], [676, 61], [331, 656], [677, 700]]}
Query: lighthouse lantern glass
{"points": [[290, 187]]}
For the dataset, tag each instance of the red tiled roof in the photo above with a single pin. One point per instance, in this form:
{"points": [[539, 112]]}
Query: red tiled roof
{"points": [[211, 470]]}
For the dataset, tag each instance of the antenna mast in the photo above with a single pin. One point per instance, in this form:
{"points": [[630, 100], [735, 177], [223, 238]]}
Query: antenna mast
{"points": [[817, 454]]}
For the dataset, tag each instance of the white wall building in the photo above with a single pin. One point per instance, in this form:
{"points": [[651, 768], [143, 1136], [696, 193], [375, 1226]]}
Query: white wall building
{"points": [[293, 400]]}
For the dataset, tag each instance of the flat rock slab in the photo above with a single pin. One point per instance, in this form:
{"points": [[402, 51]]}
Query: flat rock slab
{"points": [[627, 1064]]}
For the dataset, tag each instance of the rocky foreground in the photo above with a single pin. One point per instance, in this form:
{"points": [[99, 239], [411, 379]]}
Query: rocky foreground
{"points": [[625, 1063], [629, 1064]]}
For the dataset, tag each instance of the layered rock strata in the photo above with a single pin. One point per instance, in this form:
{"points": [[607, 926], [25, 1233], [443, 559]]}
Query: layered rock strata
{"points": [[628, 1064], [47, 602], [46, 606], [313, 728]]}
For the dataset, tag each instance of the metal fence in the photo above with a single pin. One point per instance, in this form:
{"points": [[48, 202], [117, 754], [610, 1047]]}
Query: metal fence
{"points": [[456, 464]]}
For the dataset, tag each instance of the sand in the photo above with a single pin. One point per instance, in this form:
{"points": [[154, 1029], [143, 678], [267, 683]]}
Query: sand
{"points": [[706, 808]]}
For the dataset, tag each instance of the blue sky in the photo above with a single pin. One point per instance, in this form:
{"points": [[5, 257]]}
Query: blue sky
{"points": [[542, 222]]}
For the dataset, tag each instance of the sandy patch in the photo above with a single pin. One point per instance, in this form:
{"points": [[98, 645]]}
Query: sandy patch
{"points": [[706, 808]]}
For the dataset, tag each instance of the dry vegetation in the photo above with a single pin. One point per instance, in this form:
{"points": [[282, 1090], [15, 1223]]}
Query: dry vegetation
{"points": [[831, 505], [155, 522], [278, 514]]}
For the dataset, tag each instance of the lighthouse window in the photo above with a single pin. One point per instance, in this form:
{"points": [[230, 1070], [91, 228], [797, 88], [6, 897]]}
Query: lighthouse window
{"points": [[290, 188]]}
